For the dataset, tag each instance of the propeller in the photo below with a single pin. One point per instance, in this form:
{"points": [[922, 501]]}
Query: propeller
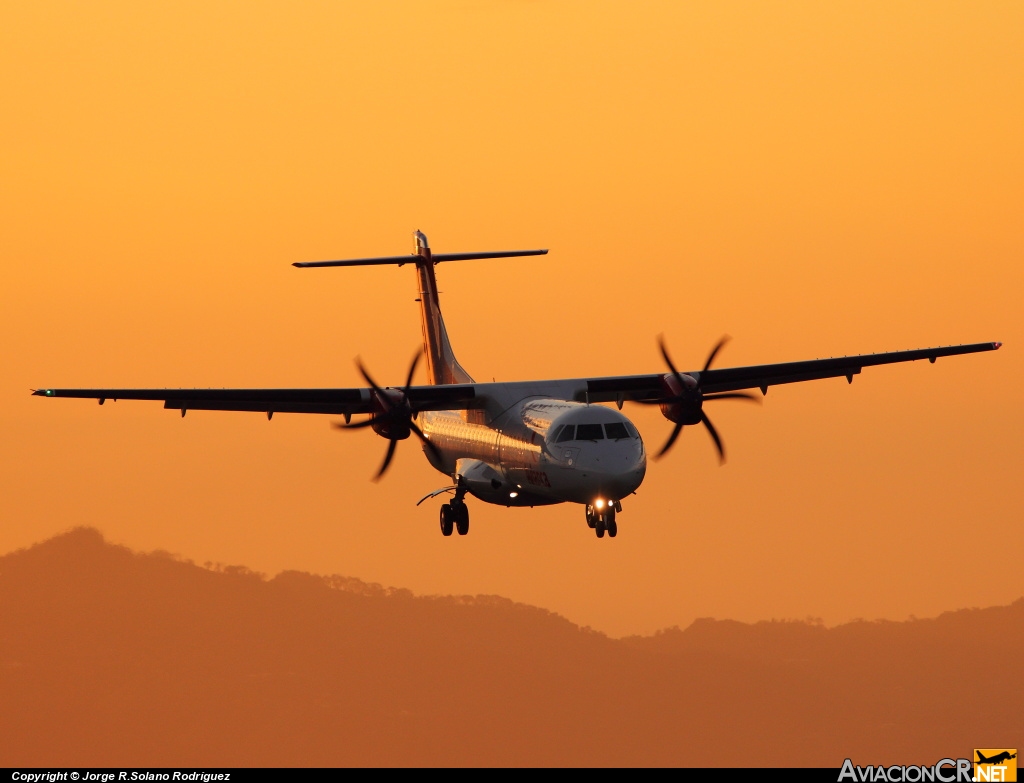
{"points": [[684, 403], [393, 415]]}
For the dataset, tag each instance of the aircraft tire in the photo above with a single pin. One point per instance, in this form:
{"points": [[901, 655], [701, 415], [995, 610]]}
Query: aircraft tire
{"points": [[462, 519], [613, 528], [599, 529], [591, 521], [446, 520]]}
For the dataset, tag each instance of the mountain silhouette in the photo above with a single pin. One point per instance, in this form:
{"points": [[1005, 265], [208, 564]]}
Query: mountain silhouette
{"points": [[114, 658]]}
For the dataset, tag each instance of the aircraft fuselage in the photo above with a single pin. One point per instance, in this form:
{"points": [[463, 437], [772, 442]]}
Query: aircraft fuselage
{"points": [[538, 452]]}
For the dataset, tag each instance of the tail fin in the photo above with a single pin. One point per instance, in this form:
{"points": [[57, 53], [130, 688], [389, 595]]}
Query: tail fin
{"points": [[442, 366]]}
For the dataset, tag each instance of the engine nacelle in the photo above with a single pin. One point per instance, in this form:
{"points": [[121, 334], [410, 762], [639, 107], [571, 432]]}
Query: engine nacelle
{"points": [[392, 415], [687, 399]]}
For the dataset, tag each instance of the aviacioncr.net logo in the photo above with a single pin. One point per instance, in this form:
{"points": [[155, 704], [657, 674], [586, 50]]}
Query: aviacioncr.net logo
{"points": [[942, 771]]}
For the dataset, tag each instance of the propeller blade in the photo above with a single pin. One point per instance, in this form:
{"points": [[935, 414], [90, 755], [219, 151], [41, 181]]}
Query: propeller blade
{"points": [[412, 370], [387, 459], [659, 401], [714, 436], [373, 383], [714, 352], [732, 396], [357, 426], [431, 447], [668, 360], [671, 439]]}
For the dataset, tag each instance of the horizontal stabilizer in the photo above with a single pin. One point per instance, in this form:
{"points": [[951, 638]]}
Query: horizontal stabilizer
{"points": [[493, 254], [411, 259]]}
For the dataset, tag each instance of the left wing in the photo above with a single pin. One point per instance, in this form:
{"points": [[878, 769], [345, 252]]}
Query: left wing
{"points": [[650, 387]]}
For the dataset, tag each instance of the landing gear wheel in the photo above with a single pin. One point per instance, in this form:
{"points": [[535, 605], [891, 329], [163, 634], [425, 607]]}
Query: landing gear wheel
{"points": [[599, 526], [591, 517], [461, 518], [609, 522], [613, 529], [447, 519]]}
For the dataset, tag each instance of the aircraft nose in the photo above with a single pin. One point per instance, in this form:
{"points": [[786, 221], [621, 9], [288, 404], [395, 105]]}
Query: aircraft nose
{"points": [[617, 468]]}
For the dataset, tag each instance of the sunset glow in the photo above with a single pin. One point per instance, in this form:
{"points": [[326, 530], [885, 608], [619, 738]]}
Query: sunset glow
{"points": [[813, 179]]}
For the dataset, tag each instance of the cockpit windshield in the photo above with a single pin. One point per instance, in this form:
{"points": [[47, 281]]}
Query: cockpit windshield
{"points": [[616, 430], [589, 432], [568, 432], [613, 431]]}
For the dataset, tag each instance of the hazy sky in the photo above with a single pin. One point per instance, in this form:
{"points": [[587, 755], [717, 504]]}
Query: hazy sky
{"points": [[814, 179]]}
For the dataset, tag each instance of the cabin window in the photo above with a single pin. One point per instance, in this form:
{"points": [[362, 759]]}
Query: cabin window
{"points": [[566, 432], [616, 431], [589, 432]]}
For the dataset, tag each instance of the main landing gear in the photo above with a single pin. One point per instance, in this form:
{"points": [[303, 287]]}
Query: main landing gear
{"points": [[602, 520], [455, 515]]}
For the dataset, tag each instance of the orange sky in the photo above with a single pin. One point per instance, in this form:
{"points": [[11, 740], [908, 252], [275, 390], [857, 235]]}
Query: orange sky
{"points": [[813, 179]]}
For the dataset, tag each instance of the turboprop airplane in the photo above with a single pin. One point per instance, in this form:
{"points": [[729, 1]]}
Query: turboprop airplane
{"points": [[526, 443]]}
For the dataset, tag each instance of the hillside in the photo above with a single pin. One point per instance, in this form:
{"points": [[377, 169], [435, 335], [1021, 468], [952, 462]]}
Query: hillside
{"points": [[109, 657]]}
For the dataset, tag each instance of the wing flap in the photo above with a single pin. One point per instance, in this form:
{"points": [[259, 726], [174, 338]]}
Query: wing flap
{"points": [[626, 387], [764, 381], [265, 406]]}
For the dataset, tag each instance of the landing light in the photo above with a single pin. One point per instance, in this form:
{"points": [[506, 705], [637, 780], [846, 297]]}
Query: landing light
{"points": [[513, 494], [600, 504]]}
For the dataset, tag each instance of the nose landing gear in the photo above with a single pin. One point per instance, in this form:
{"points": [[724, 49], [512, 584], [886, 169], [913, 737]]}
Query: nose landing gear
{"points": [[603, 520]]}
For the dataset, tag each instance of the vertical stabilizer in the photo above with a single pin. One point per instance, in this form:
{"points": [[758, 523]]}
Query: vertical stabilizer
{"points": [[442, 366]]}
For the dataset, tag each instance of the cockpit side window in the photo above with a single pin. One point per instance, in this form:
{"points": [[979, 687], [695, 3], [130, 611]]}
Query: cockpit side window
{"points": [[565, 432], [589, 432], [616, 430]]}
